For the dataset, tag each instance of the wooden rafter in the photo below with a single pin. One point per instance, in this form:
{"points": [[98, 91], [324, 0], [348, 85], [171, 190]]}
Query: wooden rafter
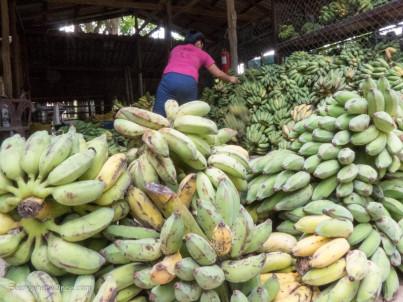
{"points": [[253, 4], [152, 7], [186, 8]]}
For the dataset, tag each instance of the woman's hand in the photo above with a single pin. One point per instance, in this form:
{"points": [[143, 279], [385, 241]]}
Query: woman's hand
{"points": [[234, 80], [217, 72]]}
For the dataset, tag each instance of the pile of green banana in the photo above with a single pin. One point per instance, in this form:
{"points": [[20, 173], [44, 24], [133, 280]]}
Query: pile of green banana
{"points": [[338, 190], [271, 92], [210, 255], [208, 247], [340, 9], [145, 102], [58, 195], [334, 11], [329, 13], [77, 225]]}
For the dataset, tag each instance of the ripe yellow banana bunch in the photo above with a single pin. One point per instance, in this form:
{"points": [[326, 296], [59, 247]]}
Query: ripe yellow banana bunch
{"points": [[301, 112], [222, 229], [287, 128], [191, 144]]}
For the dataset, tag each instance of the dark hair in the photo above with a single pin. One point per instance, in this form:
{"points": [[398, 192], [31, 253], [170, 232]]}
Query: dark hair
{"points": [[194, 36]]}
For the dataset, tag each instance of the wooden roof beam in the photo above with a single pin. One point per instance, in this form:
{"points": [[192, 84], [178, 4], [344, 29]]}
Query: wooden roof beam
{"points": [[153, 7], [89, 18], [186, 8], [255, 3]]}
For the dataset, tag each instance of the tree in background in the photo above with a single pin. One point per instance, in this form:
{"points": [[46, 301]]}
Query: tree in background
{"points": [[116, 26]]}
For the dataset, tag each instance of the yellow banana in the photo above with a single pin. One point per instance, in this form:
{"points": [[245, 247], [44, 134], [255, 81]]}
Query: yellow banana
{"points": [[187, 189], [308, 224], [117, 191], [221, 239], [329, 253], [143, 209], [279, 242], [107, 292], [307, 246], [326, 275], [112, 169], [300, 294], [163, 272], [7, 223]]}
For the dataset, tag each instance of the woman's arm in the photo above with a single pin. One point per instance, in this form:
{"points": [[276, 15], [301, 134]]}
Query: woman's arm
{"points": [[217, 72]]}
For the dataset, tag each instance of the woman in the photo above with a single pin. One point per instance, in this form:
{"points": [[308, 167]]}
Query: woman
{"points": [[179, 81]]}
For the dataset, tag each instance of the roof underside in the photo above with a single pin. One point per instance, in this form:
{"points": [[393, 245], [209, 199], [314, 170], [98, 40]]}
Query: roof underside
{"points": [[208, 16]]}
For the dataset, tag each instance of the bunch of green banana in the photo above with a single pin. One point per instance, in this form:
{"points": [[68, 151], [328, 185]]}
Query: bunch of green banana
{"points": [[310, 27], [60, 198], [395, 77], [352, 54], [256, 141], [328, 85], [287, 31], [145, 102], [335, 10], [339, 186], [271, 91], [374, 69]]}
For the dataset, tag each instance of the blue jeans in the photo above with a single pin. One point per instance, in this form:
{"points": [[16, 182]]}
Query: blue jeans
{"points": [[179, 87]]}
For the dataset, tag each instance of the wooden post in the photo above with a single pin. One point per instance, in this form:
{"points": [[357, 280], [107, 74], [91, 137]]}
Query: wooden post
{"points": [[131, 93], [5, 49], [168, 26], [140, 67], [127, 88], [17, 54], [139, 60], [232, 33], [277, 54]]}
